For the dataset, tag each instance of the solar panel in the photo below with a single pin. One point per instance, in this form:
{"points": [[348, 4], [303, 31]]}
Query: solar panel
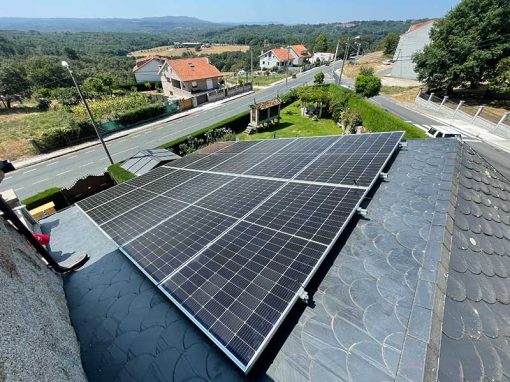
{"points": [[239, 288], [233, 237], [309, 211], [104, 196], [165, 247], [141, 218], [238, 197]]}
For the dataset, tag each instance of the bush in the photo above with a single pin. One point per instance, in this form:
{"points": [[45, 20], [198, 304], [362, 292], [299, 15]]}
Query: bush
{"points": [[318, 79], [366, 71], [367, 86], [140, 113], [50, 195], [236, 123], [289, 97], [43, 104], [118, 174], [378, 120], [350, 120]]}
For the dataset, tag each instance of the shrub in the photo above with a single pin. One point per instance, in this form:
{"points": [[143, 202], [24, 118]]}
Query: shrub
{"points": [[350, 120], [43, 104], [318, 79], [50, 195], [367, 86], [140, 113], [366, 71], [289, 97]]}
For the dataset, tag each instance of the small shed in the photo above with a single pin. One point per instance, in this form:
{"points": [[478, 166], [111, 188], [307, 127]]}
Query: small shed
{"points": [[263, 114], [145, 160]]}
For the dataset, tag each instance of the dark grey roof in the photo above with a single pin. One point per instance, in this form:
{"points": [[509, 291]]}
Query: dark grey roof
{"points": [[376, 306], [145, 160], [476, 325]]}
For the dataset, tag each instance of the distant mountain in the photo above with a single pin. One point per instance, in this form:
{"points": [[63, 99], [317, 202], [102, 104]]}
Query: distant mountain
{"points": [[141, 25]]}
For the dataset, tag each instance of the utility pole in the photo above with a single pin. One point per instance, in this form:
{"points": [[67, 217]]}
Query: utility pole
{"points": [[346, 55], [251, 65], [287, 67], [357, 53], [66, 65]]}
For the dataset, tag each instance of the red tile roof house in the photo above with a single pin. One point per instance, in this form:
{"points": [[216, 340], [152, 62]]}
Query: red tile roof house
{"points": [[147, 69], [188, 77], [276, 58]]}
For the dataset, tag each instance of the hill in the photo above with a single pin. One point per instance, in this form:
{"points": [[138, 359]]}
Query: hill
{"points": [[141, 25]]}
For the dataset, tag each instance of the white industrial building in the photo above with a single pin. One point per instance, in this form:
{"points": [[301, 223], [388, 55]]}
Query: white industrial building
{"points": [[411, 42]]}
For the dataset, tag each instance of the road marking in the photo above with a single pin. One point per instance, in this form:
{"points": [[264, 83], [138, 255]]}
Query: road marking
{"points": [[123, 151], [122, 140], [26, 172], [86, 152], [62, 173], [19, 188], [52, 163], [471, 140], [74, 156], [8, 177], [86, 164], [40, 181]]}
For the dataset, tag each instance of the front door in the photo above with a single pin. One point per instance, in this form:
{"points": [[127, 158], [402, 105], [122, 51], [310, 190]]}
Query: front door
{"points": [[210, 84]]}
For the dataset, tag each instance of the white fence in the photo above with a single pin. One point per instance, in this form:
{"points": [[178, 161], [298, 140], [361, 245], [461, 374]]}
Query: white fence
{"points": [[479, 116]]}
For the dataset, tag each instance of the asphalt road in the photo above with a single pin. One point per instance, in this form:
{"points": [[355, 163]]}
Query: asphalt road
{"points": [[64, 170]]}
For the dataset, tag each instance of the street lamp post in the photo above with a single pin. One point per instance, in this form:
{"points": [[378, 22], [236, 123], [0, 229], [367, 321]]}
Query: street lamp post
{"points": [[66, 65]]}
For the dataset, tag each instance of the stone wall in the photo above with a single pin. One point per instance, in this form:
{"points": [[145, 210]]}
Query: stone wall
{"points": [[37, 341]]}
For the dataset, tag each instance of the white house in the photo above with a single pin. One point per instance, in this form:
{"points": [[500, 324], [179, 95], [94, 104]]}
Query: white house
{"points": [[276, 58], [147, 69], [411, 42], [299, 53], [322, 57]]}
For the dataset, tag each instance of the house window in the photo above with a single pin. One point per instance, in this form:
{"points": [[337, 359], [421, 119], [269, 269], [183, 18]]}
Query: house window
{"points": [[194, 84]]}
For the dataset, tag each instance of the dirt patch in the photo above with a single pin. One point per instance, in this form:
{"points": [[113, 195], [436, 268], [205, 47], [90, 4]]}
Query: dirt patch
{"points": [[370, 60], [401, 94], [170, 51]]}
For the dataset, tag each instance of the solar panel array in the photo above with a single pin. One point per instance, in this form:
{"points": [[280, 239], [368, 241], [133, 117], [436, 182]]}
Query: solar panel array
{"points": [[233, 237]]}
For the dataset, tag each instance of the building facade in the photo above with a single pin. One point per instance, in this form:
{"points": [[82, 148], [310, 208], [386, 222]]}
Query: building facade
{"points": [[278, 59], [189, 76], [299, 54], [411, 42], [147, 70]]}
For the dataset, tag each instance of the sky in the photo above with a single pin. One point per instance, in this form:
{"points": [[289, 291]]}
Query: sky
{"points": [[239, 11]]}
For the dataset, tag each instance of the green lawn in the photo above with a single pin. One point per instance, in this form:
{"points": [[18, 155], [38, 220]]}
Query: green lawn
{"points": [[294, 125], [267, 80]]}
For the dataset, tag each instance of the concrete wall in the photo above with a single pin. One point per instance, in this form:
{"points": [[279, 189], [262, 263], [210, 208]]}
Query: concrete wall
{"points": [[408, 45], [148, 72], [37, 341]]}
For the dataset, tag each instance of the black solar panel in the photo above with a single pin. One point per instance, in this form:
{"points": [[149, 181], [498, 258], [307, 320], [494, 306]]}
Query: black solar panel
{"points": [[309, 211], [166, 183], [164, 248], [104, 196], [283, 166], [238, 197], [235, 251], [239, 288], [198, 187], [119, 205], [141, 218]]}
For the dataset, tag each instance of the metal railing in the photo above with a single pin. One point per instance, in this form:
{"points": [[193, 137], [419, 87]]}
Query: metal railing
{"points": [[498, 123]]}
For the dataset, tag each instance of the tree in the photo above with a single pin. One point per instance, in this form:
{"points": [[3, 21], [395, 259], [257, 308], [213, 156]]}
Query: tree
{"points": [[466, 46], [45, 72], [318, 79], [366, 71], [321, 43], [501, 80], [94, 86], [367, 86], [390, 43], [13, 81], [70, 53]]}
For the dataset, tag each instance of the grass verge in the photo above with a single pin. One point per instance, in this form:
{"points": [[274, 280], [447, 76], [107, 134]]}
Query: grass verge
{"points": [[118, 174], [50, 195]]}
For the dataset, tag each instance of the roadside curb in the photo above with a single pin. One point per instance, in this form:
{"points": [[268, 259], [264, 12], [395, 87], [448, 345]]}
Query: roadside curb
{"points": [[59, 153]]}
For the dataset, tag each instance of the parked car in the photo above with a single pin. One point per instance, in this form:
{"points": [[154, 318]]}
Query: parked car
{"points": [[443, 132], [6, 166]]}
